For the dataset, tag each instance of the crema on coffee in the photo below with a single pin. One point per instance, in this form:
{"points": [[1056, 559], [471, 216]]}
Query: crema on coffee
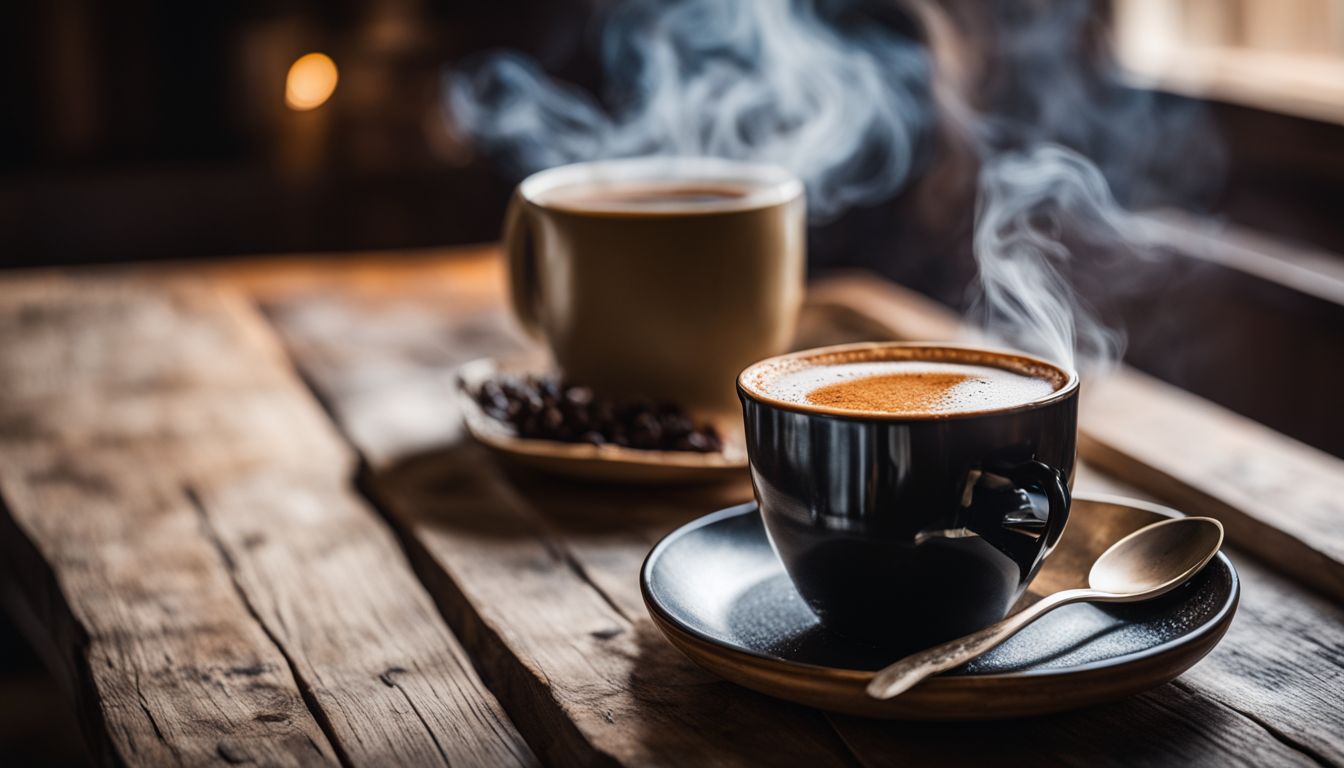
{"points": [[902, 386]]}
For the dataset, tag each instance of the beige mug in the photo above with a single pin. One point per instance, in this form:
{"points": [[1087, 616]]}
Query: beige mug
{"points": [[658, 277]]}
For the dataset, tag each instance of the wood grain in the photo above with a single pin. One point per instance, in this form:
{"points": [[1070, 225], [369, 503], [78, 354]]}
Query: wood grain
{"points": [[165, 661], [390, 680], [1305, 270], [1280, 500], [1168, 726], [1281, 665], [166, 664], [576, 662], [177, 507], [570, 555]]}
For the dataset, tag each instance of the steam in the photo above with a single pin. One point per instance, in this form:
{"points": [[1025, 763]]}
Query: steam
{"points": [[758, 80], [1039, 212], [849, 107], [1047, 224]]}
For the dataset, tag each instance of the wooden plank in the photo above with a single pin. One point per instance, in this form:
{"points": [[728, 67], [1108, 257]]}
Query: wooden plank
{"points": [[1155, 729], [166, 664], [152, 654], [1306, 270], [471, 525], [576, 662], [392, 683], [1281, 665], [179, 506], [1280, 500]]}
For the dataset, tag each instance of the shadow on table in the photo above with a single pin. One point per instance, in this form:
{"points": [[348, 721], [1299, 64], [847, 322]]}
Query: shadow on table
{"points": [[508, 496], [734, 722], [37, 720], [1165, 726]]}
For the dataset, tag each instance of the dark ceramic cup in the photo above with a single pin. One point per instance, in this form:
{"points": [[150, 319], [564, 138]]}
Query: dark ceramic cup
{"points": [[909, 530]]}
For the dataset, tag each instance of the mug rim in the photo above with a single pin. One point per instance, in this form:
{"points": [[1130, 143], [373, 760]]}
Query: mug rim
{"points": [[1069, 388], [773, 185]]}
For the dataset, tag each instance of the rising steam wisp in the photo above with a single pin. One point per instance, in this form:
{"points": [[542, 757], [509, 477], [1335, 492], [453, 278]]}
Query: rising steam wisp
{"points": [[1040, 212], [849, 109], [757, 80]]}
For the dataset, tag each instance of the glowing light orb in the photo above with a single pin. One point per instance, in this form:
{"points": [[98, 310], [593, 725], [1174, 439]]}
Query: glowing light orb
{"points": [[311, 79]]}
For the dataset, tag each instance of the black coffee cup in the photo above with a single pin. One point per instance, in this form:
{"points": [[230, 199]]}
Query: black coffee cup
{"points": [[909, 530]]}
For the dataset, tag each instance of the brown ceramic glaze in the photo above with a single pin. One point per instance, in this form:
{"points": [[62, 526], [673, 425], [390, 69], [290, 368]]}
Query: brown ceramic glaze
{"points": [[669, 302]]}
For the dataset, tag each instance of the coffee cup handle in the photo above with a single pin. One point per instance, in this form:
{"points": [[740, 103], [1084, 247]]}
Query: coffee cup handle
{"points": [[1056, 491], [523, 279]]}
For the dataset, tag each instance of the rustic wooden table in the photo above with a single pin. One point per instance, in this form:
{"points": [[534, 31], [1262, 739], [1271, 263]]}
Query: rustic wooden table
{"points": [[242, 522]]}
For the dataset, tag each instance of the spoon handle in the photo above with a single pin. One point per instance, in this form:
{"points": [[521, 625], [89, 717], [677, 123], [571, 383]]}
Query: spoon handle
{"points": [[903, 675]]}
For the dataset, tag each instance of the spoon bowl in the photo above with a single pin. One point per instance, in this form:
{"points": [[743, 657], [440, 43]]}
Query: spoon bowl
{"points": [[1156, 559], [1145, 564]]}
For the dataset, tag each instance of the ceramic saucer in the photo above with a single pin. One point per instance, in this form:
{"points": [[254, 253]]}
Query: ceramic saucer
{"points": [[716, 590], [603, 463]]}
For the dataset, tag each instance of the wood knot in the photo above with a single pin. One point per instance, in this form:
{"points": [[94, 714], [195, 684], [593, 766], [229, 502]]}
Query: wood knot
{"points": [[388, 676], [249, 670], [272, 717], [606, 634], [231, 754]]}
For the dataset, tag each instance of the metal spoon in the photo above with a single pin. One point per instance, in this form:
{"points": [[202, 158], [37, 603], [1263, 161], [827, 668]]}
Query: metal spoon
{"points": [[1148, 562]]}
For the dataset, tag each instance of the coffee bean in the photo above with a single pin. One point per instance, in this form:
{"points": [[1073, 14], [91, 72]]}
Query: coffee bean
{"points": [[552, 419], [578, 395], [548, 408], [675, 425]]}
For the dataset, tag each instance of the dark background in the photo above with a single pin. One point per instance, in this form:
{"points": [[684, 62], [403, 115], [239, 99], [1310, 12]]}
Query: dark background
{"points": [[148, 130]]}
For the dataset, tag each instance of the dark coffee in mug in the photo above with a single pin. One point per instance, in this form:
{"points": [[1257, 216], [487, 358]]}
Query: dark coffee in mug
{"points": [[638, 197], [911, 491]]}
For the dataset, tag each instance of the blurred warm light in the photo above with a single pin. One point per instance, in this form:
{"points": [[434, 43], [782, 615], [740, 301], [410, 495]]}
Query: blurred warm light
{"points": [[310, 81], [1276, 55]]}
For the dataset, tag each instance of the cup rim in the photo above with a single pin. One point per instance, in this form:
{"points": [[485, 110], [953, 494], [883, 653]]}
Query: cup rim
{"points": [[1070, 386], [772, 185]]}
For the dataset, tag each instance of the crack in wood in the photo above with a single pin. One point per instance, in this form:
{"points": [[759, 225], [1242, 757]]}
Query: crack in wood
{"points": [[585, 577], [1277, 734], [305, 690], [149, 715], [390, 681], [555, 543], [249, 670], [487, 651], [231, 755]]}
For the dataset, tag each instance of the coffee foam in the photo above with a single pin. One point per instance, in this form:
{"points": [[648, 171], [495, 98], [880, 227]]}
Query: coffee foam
{"points": [[905, 386]]}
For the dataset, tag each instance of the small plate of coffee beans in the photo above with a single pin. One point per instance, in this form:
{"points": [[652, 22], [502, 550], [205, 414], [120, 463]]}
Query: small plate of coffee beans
{"points": [[542, 421]]}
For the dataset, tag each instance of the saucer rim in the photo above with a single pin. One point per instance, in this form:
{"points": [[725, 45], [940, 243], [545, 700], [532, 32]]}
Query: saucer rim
{"points": [[1215, 624]]}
